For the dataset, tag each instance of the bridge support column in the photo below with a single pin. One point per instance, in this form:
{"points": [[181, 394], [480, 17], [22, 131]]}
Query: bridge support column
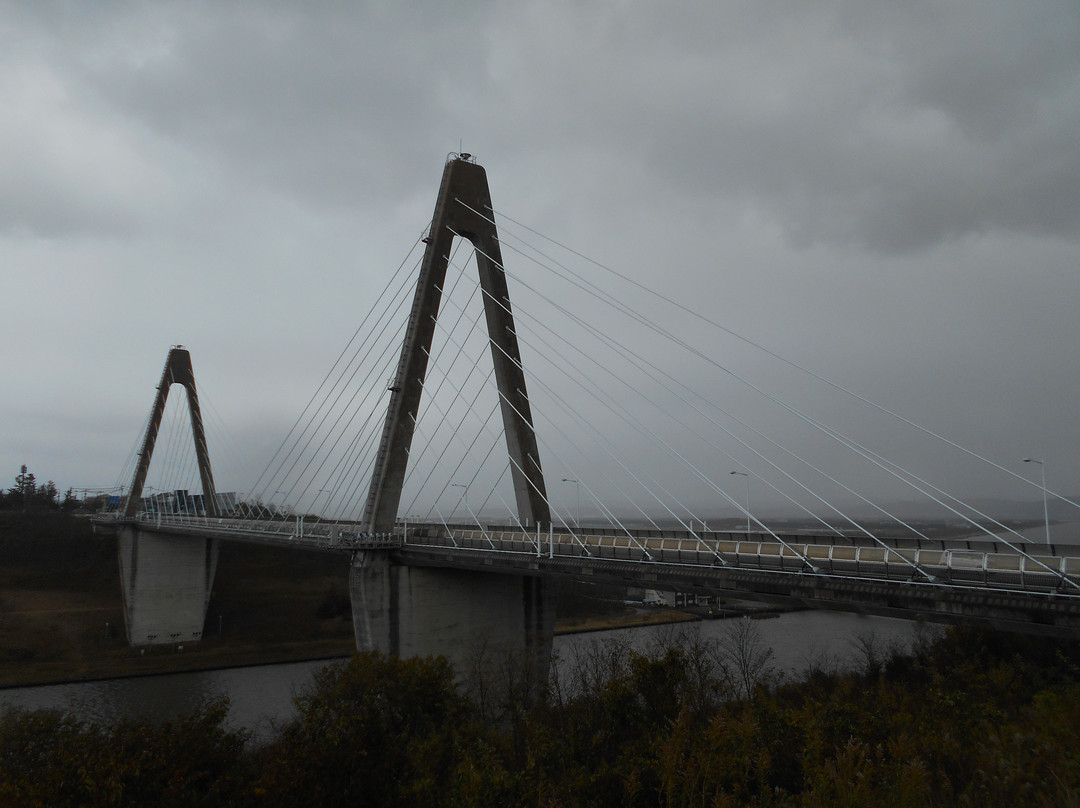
{"points": [[166, 582], [490, 626]]}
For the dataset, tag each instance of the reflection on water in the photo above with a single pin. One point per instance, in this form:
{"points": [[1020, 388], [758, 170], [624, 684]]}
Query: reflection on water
{"points": [[259, 696], [262, 696], [799, 640]]}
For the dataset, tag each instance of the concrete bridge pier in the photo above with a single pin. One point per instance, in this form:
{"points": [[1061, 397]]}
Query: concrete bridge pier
{"points": [[495, 629], [166, 582]]}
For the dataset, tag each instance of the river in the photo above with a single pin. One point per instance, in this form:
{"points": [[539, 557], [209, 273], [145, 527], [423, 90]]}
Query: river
{"points": [[262, 696]]}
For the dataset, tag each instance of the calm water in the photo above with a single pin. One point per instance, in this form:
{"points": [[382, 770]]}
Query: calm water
{"points": [[797, 639], [261, 696]]}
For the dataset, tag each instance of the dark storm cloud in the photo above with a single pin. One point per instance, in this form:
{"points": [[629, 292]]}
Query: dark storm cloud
{"points": [[885, 192], [294, 101], [102, 98], [893, 127]]}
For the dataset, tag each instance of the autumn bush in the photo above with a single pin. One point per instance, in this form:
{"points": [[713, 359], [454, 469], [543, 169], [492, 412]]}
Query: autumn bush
{"points": [[973, 719], [50, 759]]}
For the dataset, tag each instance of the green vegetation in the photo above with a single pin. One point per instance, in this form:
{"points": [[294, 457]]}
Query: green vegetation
{"points": [[974, 718], [27, 495]]}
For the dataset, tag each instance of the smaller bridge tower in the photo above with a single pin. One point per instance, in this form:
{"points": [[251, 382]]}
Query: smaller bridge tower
{"points": [[166, 579], [177, 371]]}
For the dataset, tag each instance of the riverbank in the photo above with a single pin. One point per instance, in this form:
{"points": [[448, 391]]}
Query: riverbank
{"points": [[118, 663], [634, 617]]}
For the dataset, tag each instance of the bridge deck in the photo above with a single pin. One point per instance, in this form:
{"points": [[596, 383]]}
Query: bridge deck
{"points": [[986, 565]]}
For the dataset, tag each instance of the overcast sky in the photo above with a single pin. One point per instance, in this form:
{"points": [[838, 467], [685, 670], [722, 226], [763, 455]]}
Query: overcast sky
{"points": [[886, 193]]}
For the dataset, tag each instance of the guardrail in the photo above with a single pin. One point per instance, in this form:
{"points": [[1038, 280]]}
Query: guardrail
{"points": [[1030, 572], [293, 532]]}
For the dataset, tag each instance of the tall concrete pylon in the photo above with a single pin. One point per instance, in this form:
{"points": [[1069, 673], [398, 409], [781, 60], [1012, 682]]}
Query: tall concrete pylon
{"points": [[177, 371], [463, 208], [166, 580], [480, 621]]}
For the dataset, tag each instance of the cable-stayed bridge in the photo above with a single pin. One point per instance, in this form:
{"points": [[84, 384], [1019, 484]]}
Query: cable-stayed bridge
{"points": [[429, 412]]}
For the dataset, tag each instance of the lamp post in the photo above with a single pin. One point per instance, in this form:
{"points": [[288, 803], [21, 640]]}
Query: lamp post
{"points": [[284, 507], [747, 476], [326, 491], [577, 493], [465, 496], [1046, 510]]}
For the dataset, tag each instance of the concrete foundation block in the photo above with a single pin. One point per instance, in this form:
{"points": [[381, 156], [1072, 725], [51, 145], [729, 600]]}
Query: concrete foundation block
{"points": [[490, 626], [166, 582]]}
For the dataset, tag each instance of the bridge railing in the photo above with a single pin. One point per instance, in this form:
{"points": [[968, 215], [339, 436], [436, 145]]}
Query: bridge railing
{"points": [[296, 531], [1042, 572], [1030, 572]]}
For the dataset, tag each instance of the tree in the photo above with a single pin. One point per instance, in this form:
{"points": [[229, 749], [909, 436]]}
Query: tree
{"points": [[24, 489], [48, 495], [27, 495], [52, 758], [71, 502], [379, 730], [95, 504], [747, 653]]}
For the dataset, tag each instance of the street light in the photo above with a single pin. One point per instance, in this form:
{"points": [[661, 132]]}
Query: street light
{"points": [[465, 496], [328, 493], [1046, 510], [747, 476], [284, 507], [577, 491]]}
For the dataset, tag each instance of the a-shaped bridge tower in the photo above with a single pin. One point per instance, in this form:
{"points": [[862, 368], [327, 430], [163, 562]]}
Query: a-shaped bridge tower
{"points": [[463, 209], [166, 579], [412, 610], [177, 370]]}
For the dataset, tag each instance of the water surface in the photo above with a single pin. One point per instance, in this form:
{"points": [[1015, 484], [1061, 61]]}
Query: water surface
{"points": [[261, 697]]}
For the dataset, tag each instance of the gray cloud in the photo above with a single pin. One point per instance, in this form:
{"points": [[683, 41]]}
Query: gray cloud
{"points": [[886, 193]]}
